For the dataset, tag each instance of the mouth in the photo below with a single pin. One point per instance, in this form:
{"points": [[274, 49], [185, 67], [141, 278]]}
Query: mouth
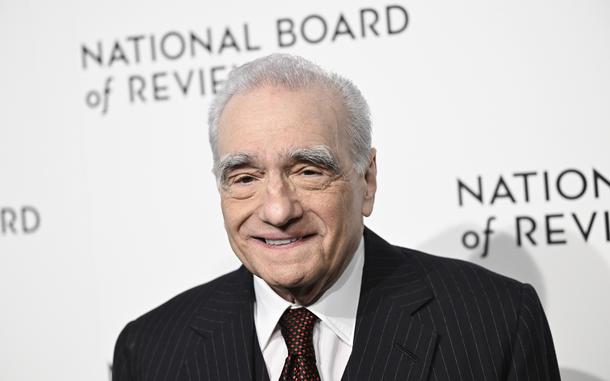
{"points": [[283, 242]]}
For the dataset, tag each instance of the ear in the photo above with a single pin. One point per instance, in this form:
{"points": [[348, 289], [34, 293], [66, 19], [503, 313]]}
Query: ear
{"points": [[370, 180]]}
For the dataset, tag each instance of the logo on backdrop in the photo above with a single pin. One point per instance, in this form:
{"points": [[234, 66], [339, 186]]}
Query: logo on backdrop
{"points": [[19, 221], [120, 63], [563, 190]]}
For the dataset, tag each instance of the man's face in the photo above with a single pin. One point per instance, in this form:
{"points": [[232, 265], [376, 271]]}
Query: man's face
{"points": [[292, 202]]}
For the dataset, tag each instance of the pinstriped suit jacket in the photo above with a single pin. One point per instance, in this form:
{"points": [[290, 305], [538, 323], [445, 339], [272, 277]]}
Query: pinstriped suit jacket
{"points": [[420, 317]]}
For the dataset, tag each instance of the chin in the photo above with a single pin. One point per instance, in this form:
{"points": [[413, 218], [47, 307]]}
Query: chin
{"points": [[290, 279]]}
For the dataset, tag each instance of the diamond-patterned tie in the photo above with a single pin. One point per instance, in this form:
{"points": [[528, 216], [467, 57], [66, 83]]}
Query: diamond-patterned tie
{"points": [[297, 329]]}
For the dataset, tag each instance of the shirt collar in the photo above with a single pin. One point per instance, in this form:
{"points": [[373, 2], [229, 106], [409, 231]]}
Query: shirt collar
{"points": [[336, 308]]}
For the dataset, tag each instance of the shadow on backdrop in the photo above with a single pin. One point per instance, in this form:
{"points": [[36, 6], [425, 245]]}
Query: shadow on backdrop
{"points": [[512, 261], [568, 374], [504, 258]]}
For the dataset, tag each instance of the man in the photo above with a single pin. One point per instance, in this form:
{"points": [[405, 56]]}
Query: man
{"points": [[319, 296]]}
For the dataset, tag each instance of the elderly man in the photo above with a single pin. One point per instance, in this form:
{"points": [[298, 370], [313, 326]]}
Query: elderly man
{"points": [[319, 296]]}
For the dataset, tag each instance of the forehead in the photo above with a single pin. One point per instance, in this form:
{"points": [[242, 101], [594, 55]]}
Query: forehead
{"points": [[270, 121]]}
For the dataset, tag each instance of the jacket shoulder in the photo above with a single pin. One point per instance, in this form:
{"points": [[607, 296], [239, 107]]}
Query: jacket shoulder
{"points": [[167, 326], [455, 281], [472, 298], [187, 302]]}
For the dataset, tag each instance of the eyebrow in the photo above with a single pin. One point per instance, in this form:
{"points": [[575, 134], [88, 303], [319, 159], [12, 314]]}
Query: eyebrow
{"points": [[320, 156], [231, 162]]}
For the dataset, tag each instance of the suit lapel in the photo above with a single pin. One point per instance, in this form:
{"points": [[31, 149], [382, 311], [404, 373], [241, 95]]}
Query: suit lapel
{"points": [[226, 346], [390, 342]]}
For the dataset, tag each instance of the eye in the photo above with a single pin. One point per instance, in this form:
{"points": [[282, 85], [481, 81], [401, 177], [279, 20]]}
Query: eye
{"points": [[243, 179], [311, 172]]}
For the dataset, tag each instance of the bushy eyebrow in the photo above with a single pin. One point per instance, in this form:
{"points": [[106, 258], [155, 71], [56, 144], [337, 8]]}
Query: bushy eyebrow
{"points": [[231, 162], [320, 156]]}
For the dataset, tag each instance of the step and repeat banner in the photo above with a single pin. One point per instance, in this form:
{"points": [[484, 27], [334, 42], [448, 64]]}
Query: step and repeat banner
{"points": [[491, 120]]}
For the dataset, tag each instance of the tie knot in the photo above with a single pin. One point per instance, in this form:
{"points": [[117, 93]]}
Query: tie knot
{"points": [[297, 325]]}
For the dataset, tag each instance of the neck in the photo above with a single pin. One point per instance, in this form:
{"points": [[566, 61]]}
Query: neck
{"points": [[303, 296]]}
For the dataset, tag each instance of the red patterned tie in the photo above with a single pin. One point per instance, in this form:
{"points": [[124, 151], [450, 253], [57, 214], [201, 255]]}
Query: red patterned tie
{"points": [[297, 329]]}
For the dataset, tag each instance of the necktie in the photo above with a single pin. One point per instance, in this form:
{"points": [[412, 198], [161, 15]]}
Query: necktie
{"points": [[297, 329]]}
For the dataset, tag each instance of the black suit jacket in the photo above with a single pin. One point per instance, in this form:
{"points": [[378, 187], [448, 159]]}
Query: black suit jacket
{"points": [[420, 317]]}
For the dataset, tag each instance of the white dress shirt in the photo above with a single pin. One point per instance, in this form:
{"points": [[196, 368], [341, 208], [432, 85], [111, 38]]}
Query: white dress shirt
{"points": [[333, 334]]}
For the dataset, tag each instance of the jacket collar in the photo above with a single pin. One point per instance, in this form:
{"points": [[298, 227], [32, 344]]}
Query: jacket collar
{"points": [[227, 346], [391, 342]]}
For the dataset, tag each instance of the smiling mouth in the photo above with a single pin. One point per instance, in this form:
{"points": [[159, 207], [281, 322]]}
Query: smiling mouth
{"points": [[279, 242], [282, 242]]}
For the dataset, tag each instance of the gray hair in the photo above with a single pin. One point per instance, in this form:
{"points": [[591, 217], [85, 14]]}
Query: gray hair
{"points": [[293, 73]]}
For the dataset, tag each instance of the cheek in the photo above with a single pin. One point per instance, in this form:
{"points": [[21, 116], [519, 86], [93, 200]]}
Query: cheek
{"points": [[336, 207], [234, 214], [227, 211]]}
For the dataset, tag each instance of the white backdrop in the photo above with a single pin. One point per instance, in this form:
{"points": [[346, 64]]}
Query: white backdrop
{"points": [[108, 206]]}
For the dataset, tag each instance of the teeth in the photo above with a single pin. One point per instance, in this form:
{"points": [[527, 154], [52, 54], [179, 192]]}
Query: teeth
{"points": [[277, 242]]}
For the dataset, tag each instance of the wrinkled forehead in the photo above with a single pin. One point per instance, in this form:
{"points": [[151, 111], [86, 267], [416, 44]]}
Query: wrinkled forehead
{"points": [[272, 120]]}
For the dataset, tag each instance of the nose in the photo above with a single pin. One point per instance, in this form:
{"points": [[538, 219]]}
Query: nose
{"points": [[280, 205]]}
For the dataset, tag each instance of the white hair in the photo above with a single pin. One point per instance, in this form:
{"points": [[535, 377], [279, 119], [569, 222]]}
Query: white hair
{"points": [[293, 73]]}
